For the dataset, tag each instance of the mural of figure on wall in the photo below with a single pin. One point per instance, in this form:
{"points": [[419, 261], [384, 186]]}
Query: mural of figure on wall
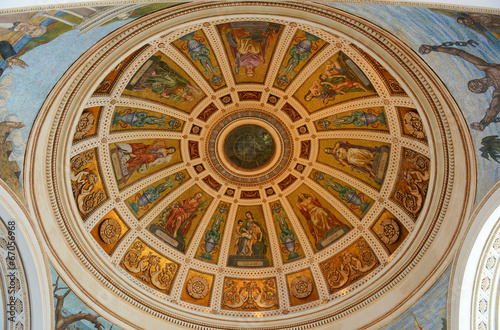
{"points": [[247, 236], [487, 20], [491, 79], [20, 23], [319, 219], [8, 54], [248, 42], [140, 155], [357, 157], [331, 83], [143, 119], [179, 220]]}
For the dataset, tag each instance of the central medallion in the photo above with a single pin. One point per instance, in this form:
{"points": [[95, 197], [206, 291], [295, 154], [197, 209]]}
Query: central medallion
{"points": [[249, 147]]}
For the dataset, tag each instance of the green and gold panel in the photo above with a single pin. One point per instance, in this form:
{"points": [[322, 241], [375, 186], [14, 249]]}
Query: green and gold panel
{"points": [[301, 287], [86, 183], [368, 118], [198, 288], [160, 79], [209, 247], [349, 266], [144, 200], [237, 293], [354, 199], [390, 231], [249, 46], [250, 244], [338, 80], [87, 124], [150, 267], [126, 119], [302, 49], [109, 231], [136, 159], [322, 223], [291, 248], [365, 160], [197, 49], [177, 223]]}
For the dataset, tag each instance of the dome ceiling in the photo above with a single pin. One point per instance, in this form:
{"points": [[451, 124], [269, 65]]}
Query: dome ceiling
{"points": [[244, 167]]}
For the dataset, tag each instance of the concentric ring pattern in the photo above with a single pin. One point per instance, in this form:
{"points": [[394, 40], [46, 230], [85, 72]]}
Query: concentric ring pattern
{"points": [[249, 167]]}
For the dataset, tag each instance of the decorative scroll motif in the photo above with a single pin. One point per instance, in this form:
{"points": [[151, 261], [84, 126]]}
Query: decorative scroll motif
{"points": [[338, 80], [198, 287], [349, 266], [354, 199], [110, 231], [160, 79], [142, 201], [287, 182], [291, 112], [136, 159], [200, 53], [305, 149], [108, 82], [272, 99], [249, 96], [226, 99], [212, 183], [365, 160], [207, 112], [302, 287], [87, 124], [413, 181], [86, 182], [209, 249], [299, 53], [250, 46], [133, 119], [369, 118], [321, 222], [177, 223], [150, 267], [412, 123], [252, 295], [388, 231], [193, 150], [250, 194], [291, 249]]}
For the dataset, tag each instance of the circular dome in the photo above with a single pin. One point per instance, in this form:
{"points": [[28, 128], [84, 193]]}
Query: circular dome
{"points": [[209, 169]]}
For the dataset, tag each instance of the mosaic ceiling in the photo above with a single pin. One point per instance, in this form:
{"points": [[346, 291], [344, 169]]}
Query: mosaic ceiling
{"points": [[249, 167]]}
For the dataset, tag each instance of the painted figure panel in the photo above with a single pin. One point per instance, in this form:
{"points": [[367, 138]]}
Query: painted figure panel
{"points": [[250, 46], [109, 231], [303, 48], [338, 80], [198, 288], [413, 182], [291, 248], [301, 288], [250, 243], [365, 160], [177, 223], [209, 248], [349, 266], [368, 118], [196, 47], [390, 231], [250, 294], [321, 222], [144, 200], [86, 183], [136, 159], [150, 267], [160, 79], [354, 199], [87, 124], [126, 118]]}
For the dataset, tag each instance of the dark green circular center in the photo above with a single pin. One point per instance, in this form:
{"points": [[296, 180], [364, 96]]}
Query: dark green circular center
{"points": [[249, 146]]}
